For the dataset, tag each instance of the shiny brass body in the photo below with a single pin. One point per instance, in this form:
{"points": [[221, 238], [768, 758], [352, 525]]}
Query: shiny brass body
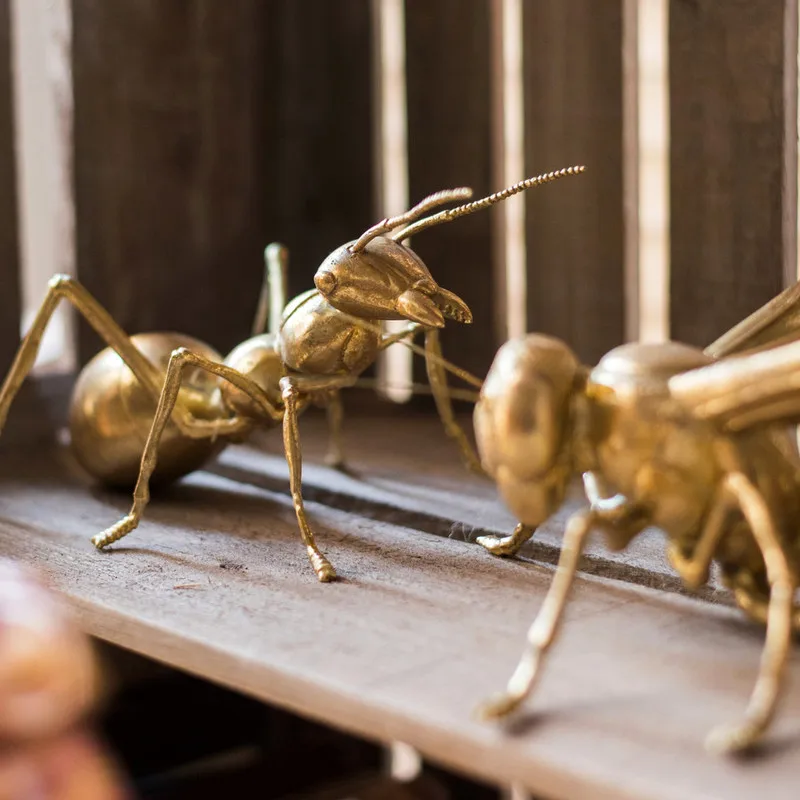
{"points": [[111, 413], [156, 406], [698, 443]]}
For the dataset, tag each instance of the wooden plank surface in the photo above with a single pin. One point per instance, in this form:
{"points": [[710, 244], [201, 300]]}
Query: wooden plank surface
{"points": [[572, 61], [419, 630], [403, 470], [727, 162], [449, 144], [9, 235]]}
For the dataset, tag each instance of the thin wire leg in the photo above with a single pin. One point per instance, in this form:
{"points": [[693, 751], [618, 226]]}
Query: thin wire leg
{"points": [[438, 380], [179, 360], [63, 287], [335, 414], [545, 627], [291, 443], [761, 707]]}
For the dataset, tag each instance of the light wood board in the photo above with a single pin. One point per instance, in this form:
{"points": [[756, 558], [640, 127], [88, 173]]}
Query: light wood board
{"points": [[417, 632]]}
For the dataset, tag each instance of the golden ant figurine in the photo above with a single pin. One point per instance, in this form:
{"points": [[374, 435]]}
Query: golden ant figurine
{"points": [[695, 442], [317, 345]]}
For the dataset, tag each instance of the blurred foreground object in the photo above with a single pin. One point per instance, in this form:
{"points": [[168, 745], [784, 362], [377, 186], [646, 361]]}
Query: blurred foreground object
{"points": [[701, 444], [48, 682]]}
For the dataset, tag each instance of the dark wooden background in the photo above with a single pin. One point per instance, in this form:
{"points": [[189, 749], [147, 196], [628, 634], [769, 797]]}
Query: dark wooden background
{"points": [[203, 130]]}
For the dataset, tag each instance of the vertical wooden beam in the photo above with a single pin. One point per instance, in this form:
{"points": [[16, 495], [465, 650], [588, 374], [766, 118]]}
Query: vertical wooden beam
{"points": [[9, 225], [203, 130], [727, 70], [574, 115], [449, 144], [319, 137]]}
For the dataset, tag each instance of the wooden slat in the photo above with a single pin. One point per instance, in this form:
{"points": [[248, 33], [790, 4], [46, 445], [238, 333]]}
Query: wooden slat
{"points": [[9, 235], [727, 162], [449, 144], [420, 629], [318, 129], [203, 130], [573, 115]]}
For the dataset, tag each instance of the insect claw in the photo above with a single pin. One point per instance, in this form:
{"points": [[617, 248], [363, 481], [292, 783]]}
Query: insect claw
{"points": [[729, 739], [322, 567], [500, 705], [498, 545]]}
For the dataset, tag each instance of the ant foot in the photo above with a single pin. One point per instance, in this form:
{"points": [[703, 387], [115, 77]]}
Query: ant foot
{"points": [[115, 532], [498, 545], [322, 567]]}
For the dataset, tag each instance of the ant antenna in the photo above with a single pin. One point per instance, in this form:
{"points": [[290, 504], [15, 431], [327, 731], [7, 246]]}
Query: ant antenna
{"points": [[485, 202], [431, 201]]}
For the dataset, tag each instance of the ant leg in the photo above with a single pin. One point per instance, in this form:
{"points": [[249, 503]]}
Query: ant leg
{"points": [[335, 414], [506, 545], [65, 287], [291, 443], [179, 360], [545, 627], [761, 707], [441, 395]]}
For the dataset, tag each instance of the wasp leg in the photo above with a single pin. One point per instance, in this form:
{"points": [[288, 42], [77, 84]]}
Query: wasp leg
{"points": [[694, 568], [444, 405], [507, 545], [761, 707], [335, 414], [63, 287], [757, 607], [291, 388], [545, 627], [179, 360]]}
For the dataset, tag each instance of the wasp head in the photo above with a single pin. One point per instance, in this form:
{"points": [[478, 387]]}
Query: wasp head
{"points": [[386, 280], [522, 424]]}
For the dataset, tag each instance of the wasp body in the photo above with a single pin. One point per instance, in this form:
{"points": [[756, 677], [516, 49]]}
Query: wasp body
{"points": [[698, 443], [158, 405]]}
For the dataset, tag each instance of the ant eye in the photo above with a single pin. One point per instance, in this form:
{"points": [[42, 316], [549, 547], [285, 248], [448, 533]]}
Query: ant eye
{"points": [[325, 282]]}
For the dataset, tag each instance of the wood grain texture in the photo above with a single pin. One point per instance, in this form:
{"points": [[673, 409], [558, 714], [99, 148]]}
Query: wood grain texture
{"points": [[415, 479], [419, 629], [727, 161], [449, 144], [9, 236], [319, 131], [203, 130], [573, 115]]}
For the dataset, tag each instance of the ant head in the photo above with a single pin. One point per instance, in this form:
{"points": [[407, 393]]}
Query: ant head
{"points": [[384, 279], [522, 424]]}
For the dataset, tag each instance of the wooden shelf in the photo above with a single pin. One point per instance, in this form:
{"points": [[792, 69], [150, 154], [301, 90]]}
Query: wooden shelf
{"points": [[420, 628]]}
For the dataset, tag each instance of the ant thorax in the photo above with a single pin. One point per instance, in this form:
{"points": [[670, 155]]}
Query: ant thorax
{"points": [[319, 340]]}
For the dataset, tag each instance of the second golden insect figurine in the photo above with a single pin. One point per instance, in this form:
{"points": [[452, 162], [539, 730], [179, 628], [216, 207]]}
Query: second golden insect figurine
{"points": [[185, 401], [695, 442]]}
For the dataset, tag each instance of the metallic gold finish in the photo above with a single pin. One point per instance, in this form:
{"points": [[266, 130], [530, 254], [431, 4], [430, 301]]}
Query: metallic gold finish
{"points": [[696, 443], [175, 401]]}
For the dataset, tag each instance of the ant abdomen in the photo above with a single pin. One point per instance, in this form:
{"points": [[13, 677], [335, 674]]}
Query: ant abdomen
{"points": [[111, 414]]}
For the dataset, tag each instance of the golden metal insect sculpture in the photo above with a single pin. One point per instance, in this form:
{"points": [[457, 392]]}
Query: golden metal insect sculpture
{"points": [[180, 400], [695, 442]]}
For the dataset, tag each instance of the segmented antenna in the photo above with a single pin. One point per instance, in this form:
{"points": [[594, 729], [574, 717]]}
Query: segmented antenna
{"points": [[431, 201], [485, 202]]}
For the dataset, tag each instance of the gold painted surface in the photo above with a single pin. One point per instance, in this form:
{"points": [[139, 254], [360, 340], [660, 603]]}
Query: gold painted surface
{"points": [[111, 413], [701, 444], [168, 402]]}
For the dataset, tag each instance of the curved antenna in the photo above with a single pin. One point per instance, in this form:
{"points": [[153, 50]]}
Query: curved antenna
{"points": [[431, 201], [485, 202]]}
